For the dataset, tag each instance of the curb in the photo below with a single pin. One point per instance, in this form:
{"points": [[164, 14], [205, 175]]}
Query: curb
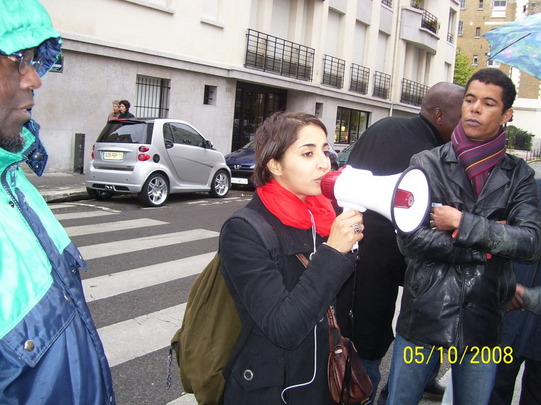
{"points": [[64, 195]]}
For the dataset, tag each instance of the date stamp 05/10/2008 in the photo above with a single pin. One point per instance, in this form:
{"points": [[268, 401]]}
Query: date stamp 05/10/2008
{"points": [[471, 354]]}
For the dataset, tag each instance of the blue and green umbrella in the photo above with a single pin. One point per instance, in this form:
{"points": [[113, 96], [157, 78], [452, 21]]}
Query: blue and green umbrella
{"points": [[518, 44]]}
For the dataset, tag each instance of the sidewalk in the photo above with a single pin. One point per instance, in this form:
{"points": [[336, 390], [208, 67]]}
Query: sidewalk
{"points": [[56, 187]]}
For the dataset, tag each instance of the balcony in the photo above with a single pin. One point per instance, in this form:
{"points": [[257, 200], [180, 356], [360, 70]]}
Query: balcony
{"points": [[412, 92], [418, 26], [360, 76], [382, 85], [333, 71], [428, 20], [278, 56]]}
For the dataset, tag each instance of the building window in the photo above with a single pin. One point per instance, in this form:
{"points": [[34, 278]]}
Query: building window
{"points": [[493, 64], [477, 32], [209, 96], [462, 4], [480, 5], [350, 124], [152, 97], [475, 60], [498, 9], [460, 28]]}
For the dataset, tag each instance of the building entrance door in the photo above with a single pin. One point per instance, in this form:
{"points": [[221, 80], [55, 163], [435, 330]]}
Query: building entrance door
{"points": [[253, 104]]}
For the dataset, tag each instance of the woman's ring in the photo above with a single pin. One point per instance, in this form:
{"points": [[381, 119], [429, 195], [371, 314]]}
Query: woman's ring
{"points": [[357, 228]]}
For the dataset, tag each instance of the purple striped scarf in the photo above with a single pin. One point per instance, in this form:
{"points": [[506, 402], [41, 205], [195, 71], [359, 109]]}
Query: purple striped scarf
{"points": [[477, 158]]}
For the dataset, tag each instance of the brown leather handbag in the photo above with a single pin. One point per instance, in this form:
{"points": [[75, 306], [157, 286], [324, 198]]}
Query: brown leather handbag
{"points": [[348, 381]]}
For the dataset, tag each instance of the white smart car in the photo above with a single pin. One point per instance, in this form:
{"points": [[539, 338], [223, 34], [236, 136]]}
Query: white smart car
{"points": [[153, 158]]}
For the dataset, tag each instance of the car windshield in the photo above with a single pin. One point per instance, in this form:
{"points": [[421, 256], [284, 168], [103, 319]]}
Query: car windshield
{"points": [[126, 132], [249, 145]]}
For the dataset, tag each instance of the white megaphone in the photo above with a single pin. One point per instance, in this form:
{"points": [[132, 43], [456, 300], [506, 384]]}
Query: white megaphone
{"points": [[403, 198]]}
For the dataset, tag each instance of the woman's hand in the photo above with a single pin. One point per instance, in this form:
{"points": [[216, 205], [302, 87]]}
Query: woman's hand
{"points": [[347, 229]]}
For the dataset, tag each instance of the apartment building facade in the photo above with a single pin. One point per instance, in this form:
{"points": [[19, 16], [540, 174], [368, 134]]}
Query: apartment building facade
{"points": [[476, 18], [225, 65]]}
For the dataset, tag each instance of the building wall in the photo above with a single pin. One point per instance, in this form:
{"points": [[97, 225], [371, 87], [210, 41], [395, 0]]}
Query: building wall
{"points": [[193, 44], [527, 107]]}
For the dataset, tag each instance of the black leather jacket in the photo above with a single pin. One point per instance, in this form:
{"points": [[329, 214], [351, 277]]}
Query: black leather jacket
{"points": [[456, 289]]}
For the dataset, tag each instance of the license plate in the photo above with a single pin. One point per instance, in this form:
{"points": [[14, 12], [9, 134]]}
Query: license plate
{"points": [[113, 155], [236, 180]]}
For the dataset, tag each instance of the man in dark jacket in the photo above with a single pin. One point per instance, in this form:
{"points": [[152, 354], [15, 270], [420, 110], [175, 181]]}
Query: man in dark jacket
{"points": [[459, 275], [386, 148]]}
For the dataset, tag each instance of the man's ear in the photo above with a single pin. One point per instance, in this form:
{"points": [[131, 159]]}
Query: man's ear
{"points": [[274, 167], [507, 116], [438, 115]]}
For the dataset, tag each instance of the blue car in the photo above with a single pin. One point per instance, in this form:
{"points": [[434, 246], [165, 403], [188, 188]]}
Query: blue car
{"points": [[242, 162]]}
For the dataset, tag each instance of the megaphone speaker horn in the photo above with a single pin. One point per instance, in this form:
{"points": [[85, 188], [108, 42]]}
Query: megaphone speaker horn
{"points": [[403, 198]]}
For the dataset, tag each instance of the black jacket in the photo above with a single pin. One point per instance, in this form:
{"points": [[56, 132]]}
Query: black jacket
{"points": [[285, 303], [456, 289], [385, 148]]}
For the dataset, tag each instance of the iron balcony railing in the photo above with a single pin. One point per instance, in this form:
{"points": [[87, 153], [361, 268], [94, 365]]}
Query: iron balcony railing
{"points": [[428, 20], [279, 56], [360, 76], [333, 71], [388, 3], [412, 92], [382, 85]]}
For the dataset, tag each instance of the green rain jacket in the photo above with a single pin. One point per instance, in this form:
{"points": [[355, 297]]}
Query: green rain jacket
{"points": [[50, 351]]}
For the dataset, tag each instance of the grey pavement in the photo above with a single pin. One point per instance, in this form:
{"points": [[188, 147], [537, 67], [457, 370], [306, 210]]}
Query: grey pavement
{"points": [[55, 187]]}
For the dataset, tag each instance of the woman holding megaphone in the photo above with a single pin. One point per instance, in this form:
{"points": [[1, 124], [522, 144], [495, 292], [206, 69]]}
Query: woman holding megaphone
{"points": [[284, 357]]}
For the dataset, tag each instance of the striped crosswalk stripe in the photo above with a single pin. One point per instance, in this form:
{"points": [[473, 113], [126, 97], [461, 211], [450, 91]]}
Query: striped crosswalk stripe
{"points": [[112, 226], [102, 287], [149, 242]]}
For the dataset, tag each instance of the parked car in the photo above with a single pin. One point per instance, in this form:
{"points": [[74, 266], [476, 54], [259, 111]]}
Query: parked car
{"points": [[343, 156], [242, 162], [154, 158]]}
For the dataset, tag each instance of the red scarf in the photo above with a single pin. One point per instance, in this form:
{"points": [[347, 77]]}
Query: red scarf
{"points": [[477, 158], [292, 211]]}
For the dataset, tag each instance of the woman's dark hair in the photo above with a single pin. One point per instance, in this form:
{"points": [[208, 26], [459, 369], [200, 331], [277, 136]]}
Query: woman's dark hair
{"points": [[497, 78], [126, 104], [277, 133]]}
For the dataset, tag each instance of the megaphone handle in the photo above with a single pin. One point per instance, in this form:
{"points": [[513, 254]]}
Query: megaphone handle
{"points": [[355, 246]]}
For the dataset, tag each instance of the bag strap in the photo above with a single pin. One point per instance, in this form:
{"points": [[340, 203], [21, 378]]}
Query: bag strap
{"points": [[334, 329], [270, 241]]}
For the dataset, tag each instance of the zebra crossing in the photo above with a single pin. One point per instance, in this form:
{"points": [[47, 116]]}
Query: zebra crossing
{"points": [[136, 337]]}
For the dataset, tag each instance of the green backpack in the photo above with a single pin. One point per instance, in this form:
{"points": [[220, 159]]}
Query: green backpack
{"points": [[211, 334]]}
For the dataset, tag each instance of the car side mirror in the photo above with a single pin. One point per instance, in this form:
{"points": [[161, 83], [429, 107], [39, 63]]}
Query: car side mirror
{"points": [[208, 144], [168, 144]]}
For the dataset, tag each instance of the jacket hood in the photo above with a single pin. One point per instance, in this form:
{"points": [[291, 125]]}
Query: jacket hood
{"points": [[26, 24]]}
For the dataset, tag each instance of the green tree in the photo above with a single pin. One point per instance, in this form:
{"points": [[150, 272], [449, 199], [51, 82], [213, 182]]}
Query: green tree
{"points": [[518, 138], [463, 69]]}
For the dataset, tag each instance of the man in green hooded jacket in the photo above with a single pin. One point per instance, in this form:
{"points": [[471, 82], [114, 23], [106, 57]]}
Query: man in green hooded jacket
{"points": [[50, 351]]}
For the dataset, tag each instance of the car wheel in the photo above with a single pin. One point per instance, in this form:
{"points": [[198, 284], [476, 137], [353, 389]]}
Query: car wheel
{"points": [[99, 194], [155, 190], [220, 184]]}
